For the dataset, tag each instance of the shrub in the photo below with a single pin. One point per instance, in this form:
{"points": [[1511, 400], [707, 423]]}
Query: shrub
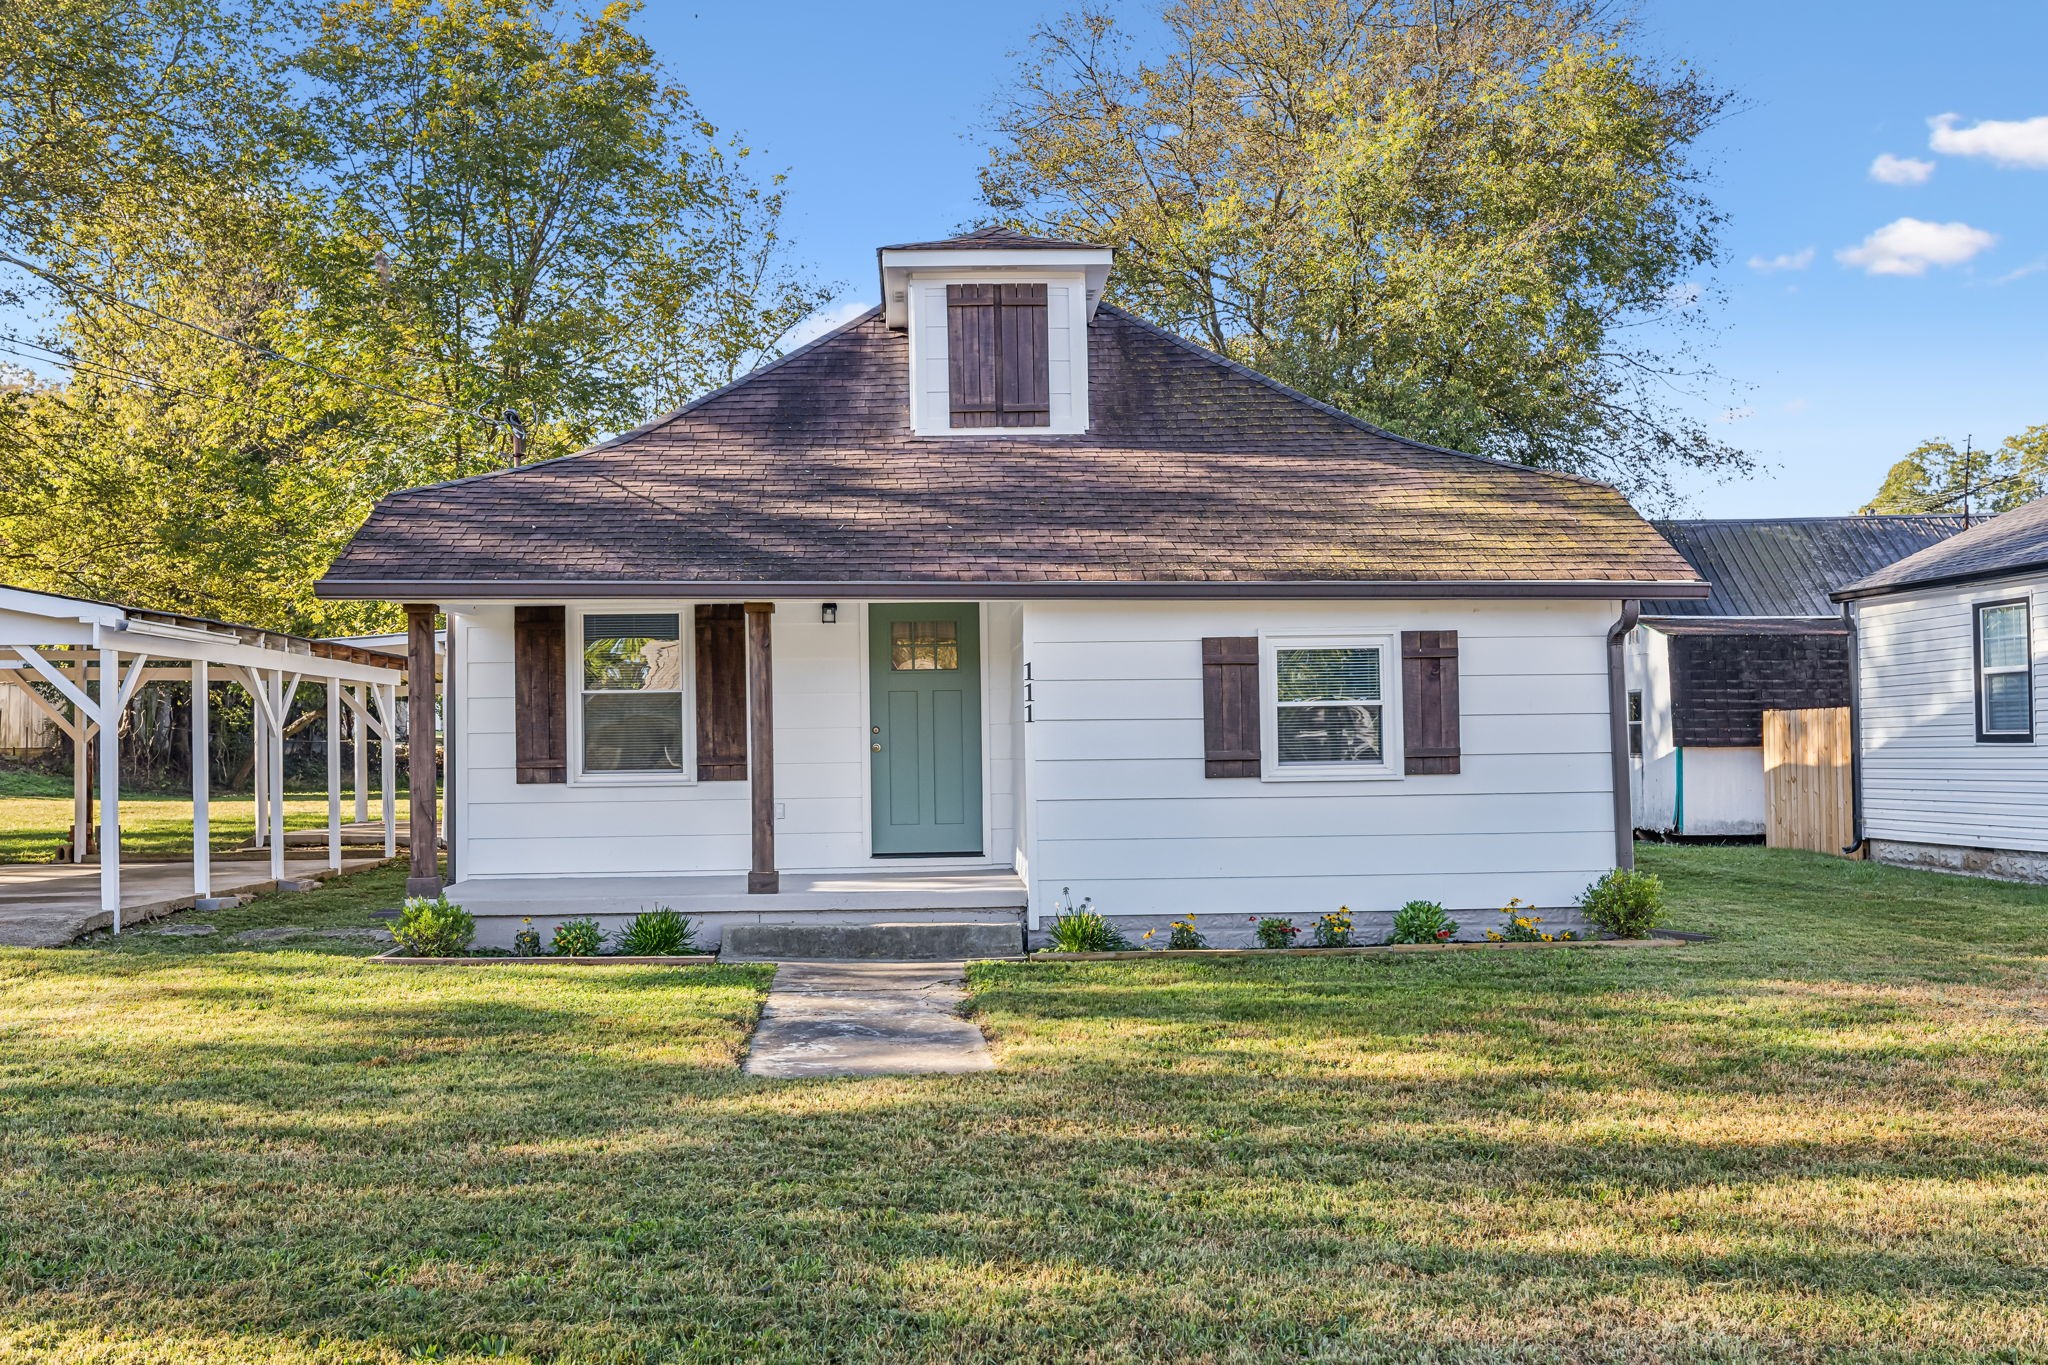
{"points": [[1525, 926], [659, 932], [433, 926], [1084, 931], [1423, 922], [1625, 904], [1334, 929], [578, 938], [1274, 932], [526, 939], [1182, 934]]}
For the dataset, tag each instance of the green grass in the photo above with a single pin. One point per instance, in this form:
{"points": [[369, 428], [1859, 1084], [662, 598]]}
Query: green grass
{"points": [[1821, 1136], [35, 823]]}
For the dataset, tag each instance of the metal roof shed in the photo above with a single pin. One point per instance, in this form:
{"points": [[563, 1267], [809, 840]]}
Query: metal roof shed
{"points": [[92, 656]]}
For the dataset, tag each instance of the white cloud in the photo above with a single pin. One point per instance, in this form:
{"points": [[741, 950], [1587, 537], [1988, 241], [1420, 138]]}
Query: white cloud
{"points": [[1797, 405], [2021, 142], [823, 321], [1788, 260], [1909, 245], [1900, 170]]}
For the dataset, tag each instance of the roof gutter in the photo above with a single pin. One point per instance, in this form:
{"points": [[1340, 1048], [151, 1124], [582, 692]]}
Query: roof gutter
{"points": [[1855, 730], [1617, 734], [516, 590]]}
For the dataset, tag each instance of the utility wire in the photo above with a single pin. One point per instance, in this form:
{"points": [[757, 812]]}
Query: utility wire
{"points": [[93, 368], [260, 351]]}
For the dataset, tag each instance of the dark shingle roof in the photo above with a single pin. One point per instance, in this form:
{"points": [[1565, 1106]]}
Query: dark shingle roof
{"points": [[1194, 471], [2011, 542], [994, 239], [1788, 566]]}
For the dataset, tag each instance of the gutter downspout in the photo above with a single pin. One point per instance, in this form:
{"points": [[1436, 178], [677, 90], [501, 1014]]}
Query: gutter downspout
{"points": [[1617, 735], [1855, 731]]}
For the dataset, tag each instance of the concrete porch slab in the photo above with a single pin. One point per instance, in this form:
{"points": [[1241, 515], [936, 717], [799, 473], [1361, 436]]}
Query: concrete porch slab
{"points": [[43, 905], [968, 889]]}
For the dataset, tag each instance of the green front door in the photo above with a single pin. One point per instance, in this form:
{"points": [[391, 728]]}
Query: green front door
{"points": [[924, 728]]}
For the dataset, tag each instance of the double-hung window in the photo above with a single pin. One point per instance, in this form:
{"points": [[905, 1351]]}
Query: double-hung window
{"points": [[634, 672], [2005, 674], [1330, 707]]}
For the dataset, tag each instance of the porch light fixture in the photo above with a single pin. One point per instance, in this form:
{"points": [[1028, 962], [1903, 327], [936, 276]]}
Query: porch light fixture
{"points": [[829, 613]]}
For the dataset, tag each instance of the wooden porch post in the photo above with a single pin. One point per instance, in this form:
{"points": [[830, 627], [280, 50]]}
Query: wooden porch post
{"points": [[425, 879], [762, 878]]}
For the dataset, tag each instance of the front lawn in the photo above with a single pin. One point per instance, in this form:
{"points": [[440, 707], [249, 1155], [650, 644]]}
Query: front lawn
{"points": [[1820, 1136]]}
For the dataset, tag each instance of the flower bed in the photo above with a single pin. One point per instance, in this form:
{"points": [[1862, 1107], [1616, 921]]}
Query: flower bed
{"points": [[1052, 955], [397, 958]]}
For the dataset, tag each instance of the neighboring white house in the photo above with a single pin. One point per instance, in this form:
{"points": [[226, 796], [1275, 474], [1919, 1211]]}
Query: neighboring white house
{"points": [[998, 598], [1702, 671], [1951, 663]]}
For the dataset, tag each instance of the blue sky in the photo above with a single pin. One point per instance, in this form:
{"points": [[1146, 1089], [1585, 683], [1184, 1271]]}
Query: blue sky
{"points": [[1860, 315]]}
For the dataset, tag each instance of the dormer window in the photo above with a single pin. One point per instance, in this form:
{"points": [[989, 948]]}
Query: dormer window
{"points": [[998, 331], [996, 355]]}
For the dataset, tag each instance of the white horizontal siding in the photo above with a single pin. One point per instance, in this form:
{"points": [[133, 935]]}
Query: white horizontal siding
{"points": [[1926, 778], [1121, 809]]}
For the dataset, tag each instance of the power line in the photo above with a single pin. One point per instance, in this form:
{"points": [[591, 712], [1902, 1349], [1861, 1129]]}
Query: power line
{"points": [[93, 368], [260, 351]]}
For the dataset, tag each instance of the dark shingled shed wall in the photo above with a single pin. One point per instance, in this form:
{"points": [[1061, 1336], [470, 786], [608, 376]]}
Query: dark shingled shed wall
{"points": [[1722, 684]]}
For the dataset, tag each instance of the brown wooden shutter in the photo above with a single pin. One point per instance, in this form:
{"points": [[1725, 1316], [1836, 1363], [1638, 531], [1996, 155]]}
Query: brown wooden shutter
{"points": [[540, 690], [1024, 378], [971, 354], [721, 693], [1429, 701], [1230, 705]]}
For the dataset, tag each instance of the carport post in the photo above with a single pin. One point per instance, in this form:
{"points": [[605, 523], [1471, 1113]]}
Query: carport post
{"points": [[81, 782], [202, 795], [334, 774], [110, 784], [387, 774], [360, 755]]}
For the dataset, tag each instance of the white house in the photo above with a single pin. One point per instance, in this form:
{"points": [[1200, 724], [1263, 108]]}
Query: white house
{"points": [[1702, 671], [1951, 651], [998, 597]]}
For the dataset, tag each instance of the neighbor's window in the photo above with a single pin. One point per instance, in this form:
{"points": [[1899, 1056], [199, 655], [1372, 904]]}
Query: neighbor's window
{"points": [[633, 680], [1635, 723], [2005, 680], [1331, 713]]}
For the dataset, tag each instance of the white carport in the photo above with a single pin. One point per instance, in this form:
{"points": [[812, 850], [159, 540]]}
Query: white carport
{"points": [[92, 656]]}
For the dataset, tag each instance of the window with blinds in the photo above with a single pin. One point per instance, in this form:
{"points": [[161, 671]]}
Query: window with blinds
{"points": [[633, 703], [2005, 673], [1331, 712]]}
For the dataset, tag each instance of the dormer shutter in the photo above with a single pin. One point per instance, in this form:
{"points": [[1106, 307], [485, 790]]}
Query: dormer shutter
{"points": [[997, 355]]}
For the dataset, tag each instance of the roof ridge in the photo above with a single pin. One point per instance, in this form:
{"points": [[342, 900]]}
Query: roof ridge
{"points": [[1772, 521], [1331, 410], [654, 423]]}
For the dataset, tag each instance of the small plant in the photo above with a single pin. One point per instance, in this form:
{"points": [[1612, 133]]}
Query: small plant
{"points": [[526, 939], [433, 926], [578, 938], [659, 932], [1423, 922], [1626, 904], [1334, 929], [1182, 935], [1525, 926], [1080, 929], [1274, 932]]}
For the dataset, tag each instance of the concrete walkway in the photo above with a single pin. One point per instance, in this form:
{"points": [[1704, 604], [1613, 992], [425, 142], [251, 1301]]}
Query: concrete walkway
{"points": [[866, 1019], [43, 905]]}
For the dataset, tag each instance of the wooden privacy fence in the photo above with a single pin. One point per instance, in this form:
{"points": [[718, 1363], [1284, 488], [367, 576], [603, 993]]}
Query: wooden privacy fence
{"points": [[1808, 801]]}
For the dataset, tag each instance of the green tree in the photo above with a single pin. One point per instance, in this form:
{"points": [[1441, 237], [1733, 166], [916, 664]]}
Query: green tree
{"points": [[291, 269], [1937, 477], [1478, 224]]}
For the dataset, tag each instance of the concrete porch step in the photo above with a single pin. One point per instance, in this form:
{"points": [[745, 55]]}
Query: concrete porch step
{"points": [[911, 941]]}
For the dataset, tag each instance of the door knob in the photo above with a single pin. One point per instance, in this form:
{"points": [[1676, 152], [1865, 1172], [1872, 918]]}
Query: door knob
{"points": [[876, 747]]}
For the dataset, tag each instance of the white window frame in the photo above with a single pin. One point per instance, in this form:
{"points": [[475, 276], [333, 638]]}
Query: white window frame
{"points": [[1391, 766], [686, 631], [1985, 672]]}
